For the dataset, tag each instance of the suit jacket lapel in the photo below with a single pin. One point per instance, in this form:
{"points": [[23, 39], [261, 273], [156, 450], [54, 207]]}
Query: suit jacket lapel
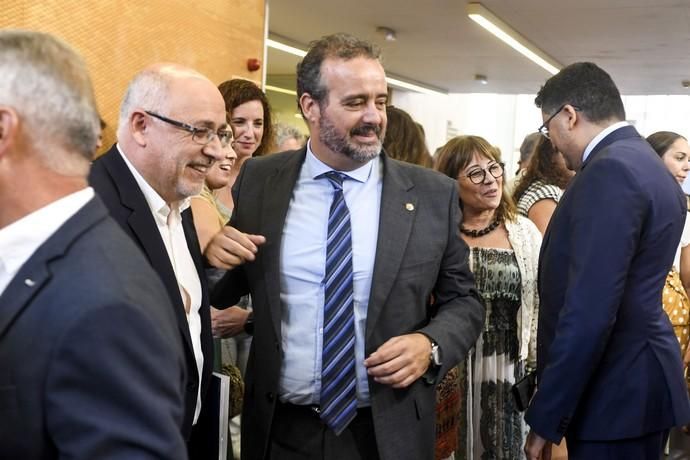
{"points": [[395, 226], [277, 194], [621, 133], [35, 273], [146, 233]]}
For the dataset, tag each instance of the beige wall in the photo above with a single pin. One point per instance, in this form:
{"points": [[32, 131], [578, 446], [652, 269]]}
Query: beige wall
{"points": [[119, 37]]}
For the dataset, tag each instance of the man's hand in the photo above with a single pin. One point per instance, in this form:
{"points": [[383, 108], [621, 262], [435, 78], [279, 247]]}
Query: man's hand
{"points": [[401, 360], [230, 247], [229, 322], [537, 448]]}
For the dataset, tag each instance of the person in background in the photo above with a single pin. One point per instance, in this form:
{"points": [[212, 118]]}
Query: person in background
{"points": [[404, 140], [675, 153], [91, 361], [504, 253], [540, 187], [609, 369], [526, 149], [287, 137], [250, 118]]}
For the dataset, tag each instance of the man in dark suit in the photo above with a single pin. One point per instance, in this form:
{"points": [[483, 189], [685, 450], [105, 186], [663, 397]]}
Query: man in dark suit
{"points": [[90, 360], [172, 128], [362, 293], [610, 377]]}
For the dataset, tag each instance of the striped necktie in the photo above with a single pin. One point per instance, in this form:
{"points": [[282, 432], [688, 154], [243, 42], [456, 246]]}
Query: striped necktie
{"points": [[338, 379]]}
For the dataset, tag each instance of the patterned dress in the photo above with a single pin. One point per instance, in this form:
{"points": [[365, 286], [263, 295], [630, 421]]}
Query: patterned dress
{"points": [[491, 428], [536, 192]]}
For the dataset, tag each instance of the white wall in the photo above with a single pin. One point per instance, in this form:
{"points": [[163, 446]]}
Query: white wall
{"points": [[504, 120]]}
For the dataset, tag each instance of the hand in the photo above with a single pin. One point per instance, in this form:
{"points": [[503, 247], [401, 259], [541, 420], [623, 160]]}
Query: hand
{"points": [[537, 448], [229, 322], [401, 360], [230, 247]]}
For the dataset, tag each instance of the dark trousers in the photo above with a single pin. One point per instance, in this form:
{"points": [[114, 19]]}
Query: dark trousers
{"points": [[298, 433], [649, 447]]}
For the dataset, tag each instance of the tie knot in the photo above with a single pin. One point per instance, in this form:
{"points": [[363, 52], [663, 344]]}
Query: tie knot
{"points": [[336, 179]]}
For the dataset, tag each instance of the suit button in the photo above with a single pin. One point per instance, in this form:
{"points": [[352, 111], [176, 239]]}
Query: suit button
{"points": [[270, 396]]}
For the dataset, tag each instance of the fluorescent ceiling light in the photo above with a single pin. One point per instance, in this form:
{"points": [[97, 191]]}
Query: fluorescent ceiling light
{"points": [[286, 48], [396, 82], [511, 37], [278, 89], [413, 87]]}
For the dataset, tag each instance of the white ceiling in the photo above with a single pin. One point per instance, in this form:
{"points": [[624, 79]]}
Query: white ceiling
{"points": [[643, 44]]}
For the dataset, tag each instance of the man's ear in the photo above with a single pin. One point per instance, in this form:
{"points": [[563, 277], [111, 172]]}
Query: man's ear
{"points": [[9, 128], [573, 115], [139, 125], [310, 108]]}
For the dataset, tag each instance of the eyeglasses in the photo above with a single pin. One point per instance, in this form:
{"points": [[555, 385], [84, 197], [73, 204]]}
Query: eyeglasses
{"points": [[201, 136], [544, 129], [478, 176]]}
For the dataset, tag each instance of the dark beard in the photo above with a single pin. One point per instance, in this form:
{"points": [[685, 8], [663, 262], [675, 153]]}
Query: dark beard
{"points": [[335, 142]]}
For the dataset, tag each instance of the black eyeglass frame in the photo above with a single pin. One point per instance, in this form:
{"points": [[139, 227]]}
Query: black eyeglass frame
{"points": [[201, 136], [483, 171], [544, 128]]}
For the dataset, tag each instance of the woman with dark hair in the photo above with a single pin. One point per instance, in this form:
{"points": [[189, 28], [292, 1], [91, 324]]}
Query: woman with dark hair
{"points": [[540, 188], [250, 118], [675, 153], [504, 251], [404, 139]]}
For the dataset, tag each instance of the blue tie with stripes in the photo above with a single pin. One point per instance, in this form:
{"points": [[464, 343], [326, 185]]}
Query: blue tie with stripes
{"points": [[338, 379]]}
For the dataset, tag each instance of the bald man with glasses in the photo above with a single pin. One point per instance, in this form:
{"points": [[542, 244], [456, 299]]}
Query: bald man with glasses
{"points": [[172, 129]]}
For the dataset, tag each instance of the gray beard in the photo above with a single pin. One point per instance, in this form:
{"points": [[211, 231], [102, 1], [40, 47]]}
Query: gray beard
{"points": [[337, 143]]}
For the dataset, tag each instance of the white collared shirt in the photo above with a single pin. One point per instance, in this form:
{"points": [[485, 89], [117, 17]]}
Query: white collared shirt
{"points": [[598, 138], [169, 222], [20, 239]]}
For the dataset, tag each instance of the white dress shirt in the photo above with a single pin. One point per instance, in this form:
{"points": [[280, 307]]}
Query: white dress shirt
{"points": [[169, 222], [303, 268], [20, 239], [599, 137]]}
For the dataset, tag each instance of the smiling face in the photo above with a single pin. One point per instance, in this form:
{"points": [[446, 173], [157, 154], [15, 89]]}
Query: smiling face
{"points": [[178, 165], [485, 196], [247, 122], [676, 159], [220, 173], [350, 125]]}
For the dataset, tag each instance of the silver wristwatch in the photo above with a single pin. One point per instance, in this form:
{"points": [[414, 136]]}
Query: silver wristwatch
{"points": [[435, 356]]}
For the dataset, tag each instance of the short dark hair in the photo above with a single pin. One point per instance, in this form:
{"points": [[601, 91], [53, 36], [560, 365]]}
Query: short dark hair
{"points": [[404, 140], [341, 46], [661, 141], [239, 91], [586, 86]]}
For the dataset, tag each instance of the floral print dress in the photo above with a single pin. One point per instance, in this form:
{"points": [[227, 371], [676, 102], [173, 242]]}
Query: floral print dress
{"points": [[491, 428]]}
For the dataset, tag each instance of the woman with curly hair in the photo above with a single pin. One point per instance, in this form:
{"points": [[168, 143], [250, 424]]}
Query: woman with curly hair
{"points": [[540, 188]]}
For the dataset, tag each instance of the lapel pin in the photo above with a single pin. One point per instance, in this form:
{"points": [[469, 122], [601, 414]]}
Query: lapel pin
{"points": [[409, 206], [29, 282]]}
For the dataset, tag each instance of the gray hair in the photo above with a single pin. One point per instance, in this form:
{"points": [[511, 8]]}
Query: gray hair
{"points": [[148, 89], [283, 132], [47, 83]]}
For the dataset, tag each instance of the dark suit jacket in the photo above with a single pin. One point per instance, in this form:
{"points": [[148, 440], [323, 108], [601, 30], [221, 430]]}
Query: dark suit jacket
{"points": [[114, 183], [90, 363], [609, 364], [418, 253]]}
